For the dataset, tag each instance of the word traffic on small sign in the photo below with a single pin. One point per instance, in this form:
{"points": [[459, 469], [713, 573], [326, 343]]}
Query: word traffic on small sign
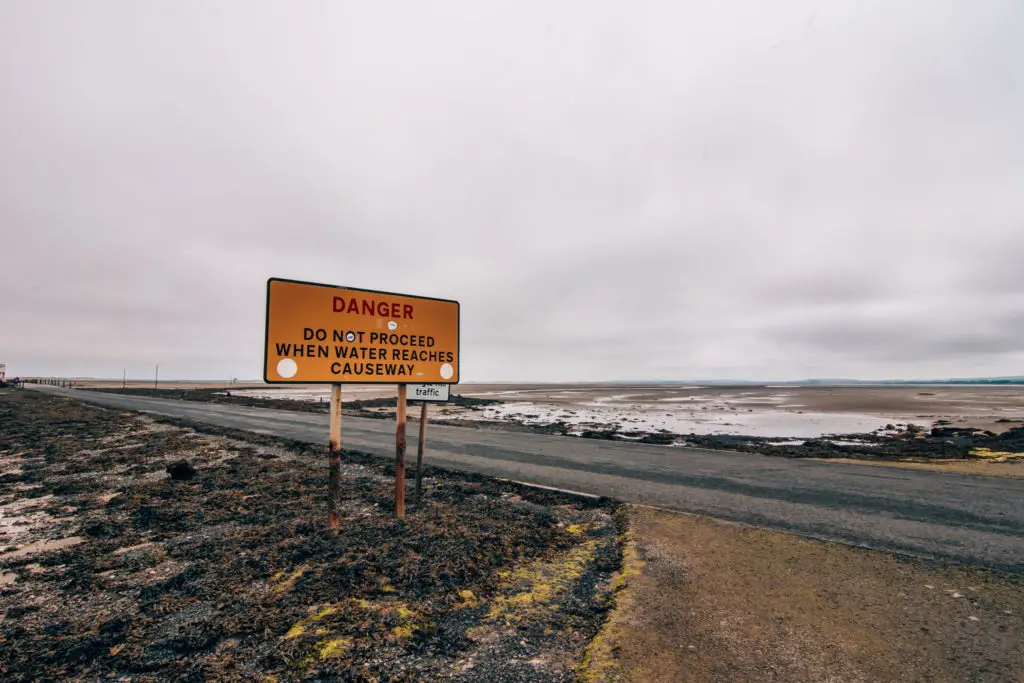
{"points": [[436, 393]]}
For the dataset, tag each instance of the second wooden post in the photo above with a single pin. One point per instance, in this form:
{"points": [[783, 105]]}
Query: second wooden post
{"points": [[419, 454], [400, 455], [334, 460]]}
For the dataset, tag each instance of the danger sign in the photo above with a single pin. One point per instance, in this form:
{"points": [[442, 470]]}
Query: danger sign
{"points": [[319, 334]]}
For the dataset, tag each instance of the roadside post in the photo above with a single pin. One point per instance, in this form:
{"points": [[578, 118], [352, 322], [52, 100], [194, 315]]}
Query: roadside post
{"points": [[326, 334], [425, 393], [419, 453], [334, 460], [400, 454]]}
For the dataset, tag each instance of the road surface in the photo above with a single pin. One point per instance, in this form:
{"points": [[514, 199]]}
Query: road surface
{"points": [[967, 518]]}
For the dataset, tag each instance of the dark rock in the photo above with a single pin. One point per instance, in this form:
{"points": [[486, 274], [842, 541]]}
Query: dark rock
{"points": [[181, 471], [606, 434], [659, 439], [953, 431], [21, 610], [103, 529], [115, 626], [144, 517]]}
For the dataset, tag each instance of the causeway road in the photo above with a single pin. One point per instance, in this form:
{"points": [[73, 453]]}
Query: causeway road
{"points": [[966, 518]]}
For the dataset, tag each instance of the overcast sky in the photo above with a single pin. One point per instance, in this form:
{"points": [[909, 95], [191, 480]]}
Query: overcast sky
{"points": [[612, 190]]}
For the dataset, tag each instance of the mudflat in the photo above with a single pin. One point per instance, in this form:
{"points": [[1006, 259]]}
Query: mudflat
{"points": [[922, 401], [770, 410], [926, 423], [975, 405]]}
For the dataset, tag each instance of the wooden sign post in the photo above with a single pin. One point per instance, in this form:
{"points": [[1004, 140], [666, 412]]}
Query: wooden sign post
{"points": [[425, 393], [400, 455], [334, 460], [419, 453], [324, 334]]}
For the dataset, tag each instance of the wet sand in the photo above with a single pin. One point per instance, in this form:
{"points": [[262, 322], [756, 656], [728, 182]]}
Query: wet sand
{"points": [[763, 411], [973, 405], [762, 420]]}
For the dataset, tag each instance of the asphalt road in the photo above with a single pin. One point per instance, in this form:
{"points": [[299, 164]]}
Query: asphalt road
{"points": [[967, 518]]}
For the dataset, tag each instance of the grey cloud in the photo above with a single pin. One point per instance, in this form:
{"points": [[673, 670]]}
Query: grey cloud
{"points": [[673, 190], [946, 334]]}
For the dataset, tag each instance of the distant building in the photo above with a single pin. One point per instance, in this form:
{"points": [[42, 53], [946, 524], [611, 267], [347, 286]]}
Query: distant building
{"points": [[3, 372]]}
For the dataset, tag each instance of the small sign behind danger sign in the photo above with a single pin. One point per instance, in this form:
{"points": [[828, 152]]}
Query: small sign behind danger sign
{"points": [[429, 392], [318, 334]]}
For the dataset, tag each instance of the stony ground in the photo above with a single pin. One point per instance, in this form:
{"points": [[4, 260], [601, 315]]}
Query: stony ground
{"points": [[707, 601], [110, 570]]}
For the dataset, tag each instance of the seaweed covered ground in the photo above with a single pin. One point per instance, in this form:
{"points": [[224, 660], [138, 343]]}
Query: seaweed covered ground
{"points": [[111, 570], [903, 442]]}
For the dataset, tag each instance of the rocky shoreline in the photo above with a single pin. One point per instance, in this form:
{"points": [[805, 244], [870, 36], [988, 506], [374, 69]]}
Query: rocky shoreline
{"points": [[902, 442], [898, 441]]}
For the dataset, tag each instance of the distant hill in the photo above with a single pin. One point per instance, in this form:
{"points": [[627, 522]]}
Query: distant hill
{"points": [[1019, 379], [959, 380], [831, 381]]}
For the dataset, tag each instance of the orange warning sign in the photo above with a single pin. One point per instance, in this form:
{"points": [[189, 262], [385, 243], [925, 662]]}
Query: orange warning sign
{"points": [[324, 334]]}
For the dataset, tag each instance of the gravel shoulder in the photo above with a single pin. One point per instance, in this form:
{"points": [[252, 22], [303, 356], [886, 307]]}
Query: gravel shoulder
{"points": [[710, 601]]}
